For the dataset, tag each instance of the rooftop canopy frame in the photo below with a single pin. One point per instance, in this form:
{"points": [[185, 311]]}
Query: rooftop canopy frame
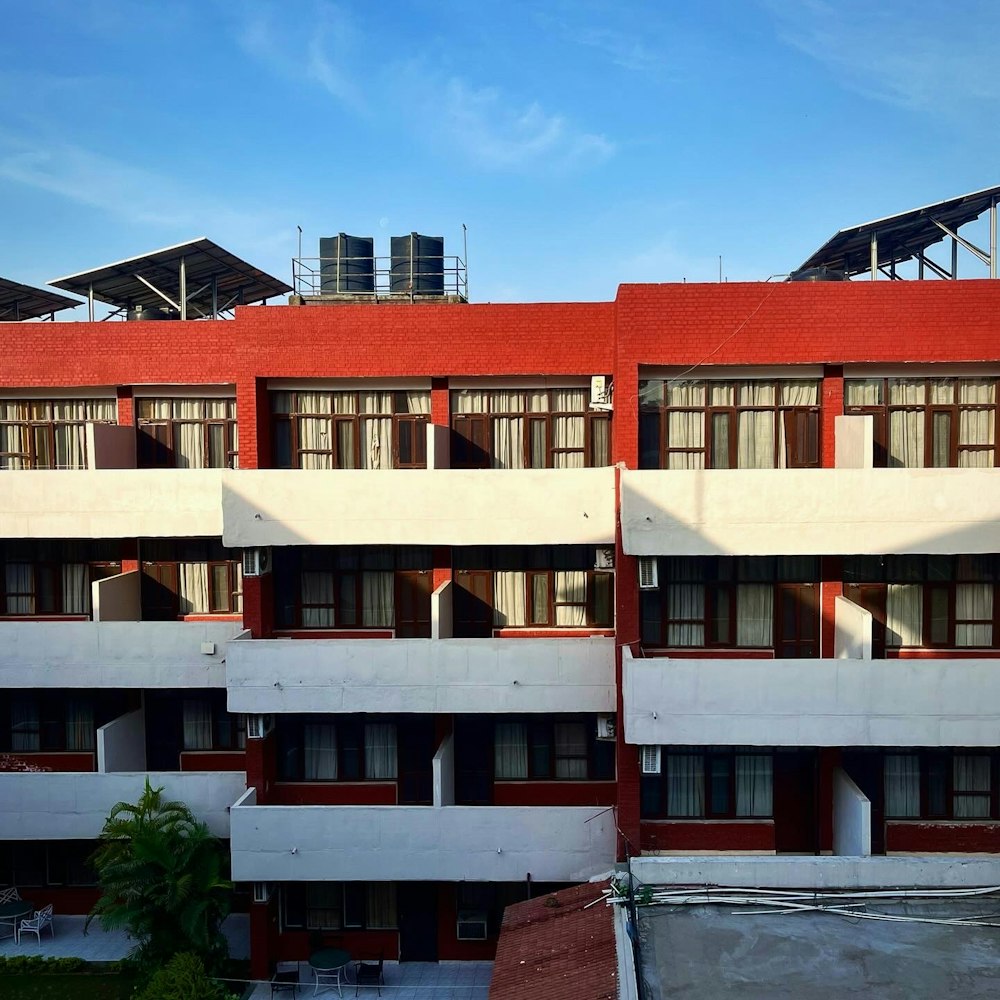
{"points": [[877, 248], [20, 302], [197, 279]]}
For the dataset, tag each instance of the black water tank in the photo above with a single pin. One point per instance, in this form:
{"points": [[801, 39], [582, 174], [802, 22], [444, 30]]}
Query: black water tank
{"points": [[817, 274], [417, 264], [347, 264]]}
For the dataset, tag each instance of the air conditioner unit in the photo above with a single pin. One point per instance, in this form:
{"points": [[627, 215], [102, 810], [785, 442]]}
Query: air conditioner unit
{"points": [[604, 558], [607, 727], [471, 925], [650, 760], [258, 726], [256, 562], [261, 892], [600, 392], [647, 573]]}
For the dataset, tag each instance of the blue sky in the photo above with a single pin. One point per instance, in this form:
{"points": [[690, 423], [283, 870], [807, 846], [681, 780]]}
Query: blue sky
{"points": [[583, 142]]}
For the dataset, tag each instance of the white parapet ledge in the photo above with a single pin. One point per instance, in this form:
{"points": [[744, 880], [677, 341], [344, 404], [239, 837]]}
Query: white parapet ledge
{"points": [[419, 507], [810, 511]]}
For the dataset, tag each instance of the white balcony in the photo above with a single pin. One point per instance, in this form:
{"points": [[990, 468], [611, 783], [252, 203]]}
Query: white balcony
{"points": [[73, 806], [111, 503], [400, 843], [421, 675], [419, 507], [114, 654], [810, 511], [828, 702]]}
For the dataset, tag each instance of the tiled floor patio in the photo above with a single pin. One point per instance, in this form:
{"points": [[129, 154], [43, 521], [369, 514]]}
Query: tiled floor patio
{"points": [[409, 981]]}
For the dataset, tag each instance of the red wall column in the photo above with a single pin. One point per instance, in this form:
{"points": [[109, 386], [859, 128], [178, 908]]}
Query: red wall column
{"points": [[261, 765], [258, 605], [832, 402], [126, 406], [253, 417], [263, 928]]}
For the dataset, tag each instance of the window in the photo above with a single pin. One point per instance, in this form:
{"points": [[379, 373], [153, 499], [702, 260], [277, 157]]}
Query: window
{"points": [[49, 433], [766, 602], [42, 863], [528, 429], [716, 783], [40, 723], [927, 601], [934, 784], [729, 425], [350, 430], [355, 587], [537, 587], [187, 433], [208, 726], [333, 906], [542, 749], [929, 422], [317, 748], [191, 576], [53, 577]]}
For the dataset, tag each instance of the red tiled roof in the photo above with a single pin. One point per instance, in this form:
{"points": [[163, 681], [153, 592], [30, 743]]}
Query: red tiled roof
{"points": [[557, 952]]}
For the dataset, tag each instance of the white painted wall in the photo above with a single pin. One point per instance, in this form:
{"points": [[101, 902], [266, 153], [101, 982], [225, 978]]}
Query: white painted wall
{"points": [[852, 631], [111, 503], [442, 611], [117, 598], [110, 446], [443, 768], [438, 446], [785, 872], [121, 744], [854, 441], [113, 654], [405, 843], [68, 806], [810, 511], [421, 675], [418, 507], [839, 703], [852, 818]]}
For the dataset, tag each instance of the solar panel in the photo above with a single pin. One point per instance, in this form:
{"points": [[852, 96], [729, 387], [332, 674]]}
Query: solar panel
{"points": [[19, 302]]}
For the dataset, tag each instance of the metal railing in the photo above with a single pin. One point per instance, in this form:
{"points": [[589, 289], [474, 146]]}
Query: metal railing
{"points": [[416, 276]]}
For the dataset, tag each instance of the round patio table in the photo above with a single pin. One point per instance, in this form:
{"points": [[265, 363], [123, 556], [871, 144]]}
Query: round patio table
{"points": [[13, 912], [329, 966]]}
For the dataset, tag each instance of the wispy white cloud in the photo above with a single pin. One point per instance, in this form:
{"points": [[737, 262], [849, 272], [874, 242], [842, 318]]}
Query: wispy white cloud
{"points": [[494, 134], [319, 48], [665, 259], [923, 59]]}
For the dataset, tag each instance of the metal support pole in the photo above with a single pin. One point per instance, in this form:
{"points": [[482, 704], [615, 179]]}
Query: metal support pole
{"points": [[954, 258], [874, 256], [182, 275], [993, 238], [90, 301], [215, 297], [465, 258]]}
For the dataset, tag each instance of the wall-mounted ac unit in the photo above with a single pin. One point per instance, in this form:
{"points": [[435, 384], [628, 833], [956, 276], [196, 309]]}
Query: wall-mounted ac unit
{"points": [[258, 726], [471, 925], [607, 727], [604, 558], [650, 759], [261, 892], [647, 573], [600, 392], [256, 562]]}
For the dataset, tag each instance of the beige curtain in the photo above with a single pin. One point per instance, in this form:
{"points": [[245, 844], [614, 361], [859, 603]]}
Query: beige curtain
{"points": [[570, 739], [571, 587], [685, 785], [510, 750], [863, 392], [685, 600], [755, 614], [974, 601], [378, 599], [971, 773], [904, 614], [197, 724], [906, 427], [380, 751], [902, 786], [508, 598]]}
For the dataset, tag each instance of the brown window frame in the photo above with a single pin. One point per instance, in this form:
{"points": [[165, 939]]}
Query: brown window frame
{"points": [[943, 762], [162, 432], [356, 421], [32, 426], [540, 736], [166, 574]]}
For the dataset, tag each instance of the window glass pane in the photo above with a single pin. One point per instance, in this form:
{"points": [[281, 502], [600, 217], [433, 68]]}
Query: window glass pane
{"points": [[217, 455], [940, 618], [720, 785], [863, 392], [902, 785], [510, 747], [720, 440], [685, 785], [941, 448], [221, 591], [603, 589], [937, 785], [283, 444], [323, 905], [539, 599], [754, 784], [345, 444], [571, 749]]}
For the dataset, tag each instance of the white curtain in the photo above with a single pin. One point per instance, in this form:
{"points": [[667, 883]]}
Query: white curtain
{"points": [[906, 427], [571, 597], [754, 784], [197, 724], [508, 598], [315, 431], [569, 432], [755, 439], [79, 724], [977, 427], [193, 585], [685, 394], [24, 725], [376, 448], [381, 905], [755, 614], [418, 401], [378, 599], [863, 392], [317, 589], [971, 773], [380, 751], [685, 785], [508, 432], [469, 401], [75, 589], [685, 601], [323, 905], [510, 750], [189, 437], [686, 429], [904, 614], [974, 602], [570, 740], [796, 392], [319, 752], [902, 785], [20, 588]]}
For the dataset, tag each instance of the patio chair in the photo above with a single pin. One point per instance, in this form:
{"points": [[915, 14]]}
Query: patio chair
{"points": [[285, 978], [370, 974], [36, 924], [10, 895]]}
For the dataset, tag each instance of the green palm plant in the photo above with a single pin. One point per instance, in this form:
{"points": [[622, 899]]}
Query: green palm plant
{"points": [[162, 880]]}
